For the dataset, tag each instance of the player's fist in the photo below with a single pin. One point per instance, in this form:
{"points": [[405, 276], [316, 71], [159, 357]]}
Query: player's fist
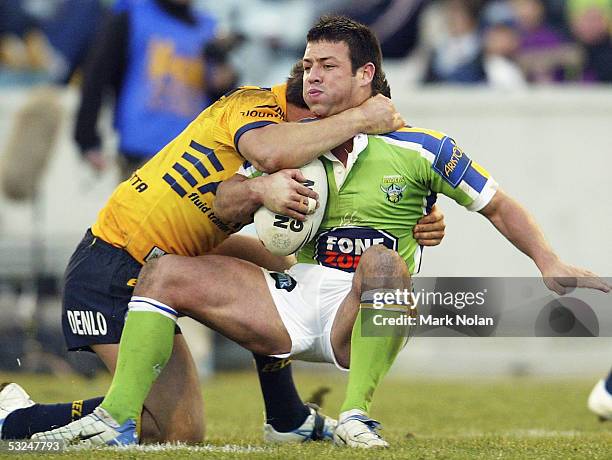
{"points": [[429, 230], [286, 194], [379, 115]]}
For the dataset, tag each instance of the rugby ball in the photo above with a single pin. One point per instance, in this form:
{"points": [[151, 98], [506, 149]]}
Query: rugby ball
{"points": [[282, 235]]}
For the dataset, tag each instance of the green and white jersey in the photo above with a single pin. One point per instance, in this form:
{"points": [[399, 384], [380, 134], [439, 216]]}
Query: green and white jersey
{"points": [[389, 183]]}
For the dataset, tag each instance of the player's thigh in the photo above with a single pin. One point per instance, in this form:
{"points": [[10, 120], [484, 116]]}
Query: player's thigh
{"points": [[174, 409], [226, 294]]}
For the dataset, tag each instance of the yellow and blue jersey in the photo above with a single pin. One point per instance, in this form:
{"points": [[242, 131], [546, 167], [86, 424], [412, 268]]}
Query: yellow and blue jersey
{"points": [[167, 205]]}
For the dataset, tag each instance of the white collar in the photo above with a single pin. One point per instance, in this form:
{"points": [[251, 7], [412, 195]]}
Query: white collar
{"points": [[360, 142]]}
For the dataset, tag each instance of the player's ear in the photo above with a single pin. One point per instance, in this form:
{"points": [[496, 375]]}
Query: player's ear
{"points": [[366, 74]]}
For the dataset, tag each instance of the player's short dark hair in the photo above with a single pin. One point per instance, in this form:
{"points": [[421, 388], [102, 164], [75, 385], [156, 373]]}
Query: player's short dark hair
{"points": [[362, 44], [295, 86]]}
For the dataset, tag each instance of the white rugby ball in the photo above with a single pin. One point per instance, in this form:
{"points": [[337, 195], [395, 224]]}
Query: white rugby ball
{"points": [[282, 235]]}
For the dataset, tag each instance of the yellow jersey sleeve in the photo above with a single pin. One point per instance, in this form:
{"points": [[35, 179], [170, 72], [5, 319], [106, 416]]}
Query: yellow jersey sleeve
{"points": [[167, 206], [254, 109]]}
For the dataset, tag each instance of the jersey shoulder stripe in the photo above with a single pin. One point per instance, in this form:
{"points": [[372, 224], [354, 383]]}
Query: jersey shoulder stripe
{"points": [[474, 178], [248, 127], [446, 158], [427, 139]]}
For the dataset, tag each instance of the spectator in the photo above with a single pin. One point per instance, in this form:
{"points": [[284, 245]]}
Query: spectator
{"points": [[500, 45], [153, 55], [545, 55], [458, 57], [46, 42], [590, 22], [395, 23]]}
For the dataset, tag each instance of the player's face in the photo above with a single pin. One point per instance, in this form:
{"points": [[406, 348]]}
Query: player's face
{"points": [[329, 84]]}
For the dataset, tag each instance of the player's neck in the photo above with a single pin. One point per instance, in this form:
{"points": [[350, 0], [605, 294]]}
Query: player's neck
{"points": [[295, 113], [342, 151]]}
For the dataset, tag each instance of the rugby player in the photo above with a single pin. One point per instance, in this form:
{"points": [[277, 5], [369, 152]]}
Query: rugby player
{"points": [[312, 311], [166, 207]]}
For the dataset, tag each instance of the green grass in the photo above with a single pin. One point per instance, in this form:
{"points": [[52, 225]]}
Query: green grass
{"points": [[423, 419]]}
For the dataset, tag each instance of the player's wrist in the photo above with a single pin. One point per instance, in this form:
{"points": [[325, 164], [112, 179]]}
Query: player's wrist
{"points": [[256, 187], [357, 119], [546, 260]]}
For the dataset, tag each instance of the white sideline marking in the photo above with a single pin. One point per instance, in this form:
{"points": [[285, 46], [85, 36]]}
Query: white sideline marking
{"points": [[232, 448]]}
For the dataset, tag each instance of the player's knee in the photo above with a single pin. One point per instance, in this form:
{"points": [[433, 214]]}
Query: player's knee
{"points": [[381, 267], [158, 277], [343, 356], [164, 429], [191, 432]]}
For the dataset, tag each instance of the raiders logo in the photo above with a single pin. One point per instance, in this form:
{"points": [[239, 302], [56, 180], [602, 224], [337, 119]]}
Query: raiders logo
{"points": [[394, 192]]}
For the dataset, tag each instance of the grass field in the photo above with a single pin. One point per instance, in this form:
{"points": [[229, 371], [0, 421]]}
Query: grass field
{"points": [[456, 419]]}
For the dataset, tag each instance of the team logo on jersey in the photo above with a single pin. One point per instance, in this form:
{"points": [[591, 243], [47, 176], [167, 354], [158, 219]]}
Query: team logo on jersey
{"points": [[283, 281], [393, 188], [342, 247]]}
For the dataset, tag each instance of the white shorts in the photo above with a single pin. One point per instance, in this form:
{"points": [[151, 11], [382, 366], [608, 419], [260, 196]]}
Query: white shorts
{"points": [[308, 307]]}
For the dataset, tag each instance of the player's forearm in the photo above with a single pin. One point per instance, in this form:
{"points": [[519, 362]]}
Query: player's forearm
{"points": [[291, 145], [520, 228], [237, 199], [251, 249]]}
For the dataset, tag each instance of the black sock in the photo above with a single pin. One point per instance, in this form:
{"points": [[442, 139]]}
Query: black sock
{"points": [[285, 410], [23, 423], [608, 383]]}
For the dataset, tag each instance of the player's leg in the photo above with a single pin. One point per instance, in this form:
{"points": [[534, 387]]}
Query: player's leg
{"points": [[84, 278], [380, 270], [173, 410], [210, 289], [226, 294], [600, 399], [20, 417], [99, 284], [285, 410]]}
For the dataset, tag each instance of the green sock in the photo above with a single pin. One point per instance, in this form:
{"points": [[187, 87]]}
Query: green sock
{"points": [[371, 359], [145, 348]]}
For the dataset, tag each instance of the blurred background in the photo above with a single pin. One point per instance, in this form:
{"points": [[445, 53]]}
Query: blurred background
{"points": [[523, 85]]}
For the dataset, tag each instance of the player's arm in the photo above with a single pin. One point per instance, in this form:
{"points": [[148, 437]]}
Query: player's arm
{"points": [[282, 192], [520, 228], [250, 248], [291, 145]]}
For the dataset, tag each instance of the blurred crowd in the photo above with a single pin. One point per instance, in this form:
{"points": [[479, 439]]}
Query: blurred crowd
{"points": [[158, 63], [499, 42]]}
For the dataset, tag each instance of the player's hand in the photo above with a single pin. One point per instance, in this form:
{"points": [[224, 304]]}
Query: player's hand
{"points": [[285, 194], [563, 278], [429, 230], [380, 115], [96, 160]]}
